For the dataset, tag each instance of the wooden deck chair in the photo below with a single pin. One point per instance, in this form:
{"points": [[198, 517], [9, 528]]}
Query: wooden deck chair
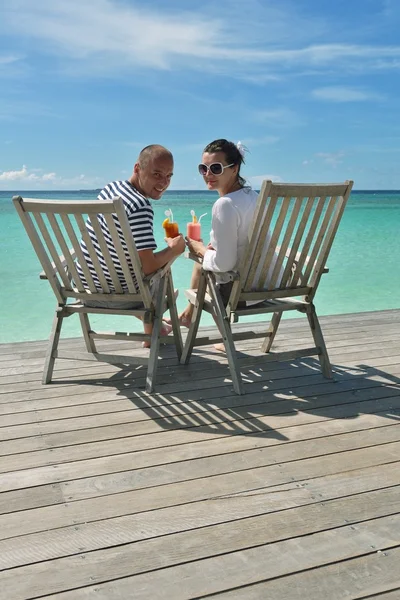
{"points": [[289, 241], [55, 228]]}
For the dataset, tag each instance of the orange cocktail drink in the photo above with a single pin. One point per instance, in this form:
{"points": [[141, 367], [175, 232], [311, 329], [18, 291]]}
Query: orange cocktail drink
{"points": [[171, 228]]}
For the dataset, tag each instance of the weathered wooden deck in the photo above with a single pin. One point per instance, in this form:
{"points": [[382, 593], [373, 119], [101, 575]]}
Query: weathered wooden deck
{"points": [[291, 491]]}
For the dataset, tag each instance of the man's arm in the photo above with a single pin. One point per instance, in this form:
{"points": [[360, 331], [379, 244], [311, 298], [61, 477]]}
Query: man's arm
{"points": [[151, 261]]}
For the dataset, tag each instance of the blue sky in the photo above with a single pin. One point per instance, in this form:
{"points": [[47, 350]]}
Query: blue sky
{"points": [[311, 87]]}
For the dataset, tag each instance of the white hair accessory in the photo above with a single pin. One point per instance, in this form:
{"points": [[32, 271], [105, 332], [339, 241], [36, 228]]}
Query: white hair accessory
{"points": [[242, 149]]}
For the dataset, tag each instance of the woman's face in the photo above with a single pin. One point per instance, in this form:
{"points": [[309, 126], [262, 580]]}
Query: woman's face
{"points": [[227, 180]]}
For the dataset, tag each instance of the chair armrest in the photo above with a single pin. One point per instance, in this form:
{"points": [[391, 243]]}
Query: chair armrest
{"points": [[194, 257]]}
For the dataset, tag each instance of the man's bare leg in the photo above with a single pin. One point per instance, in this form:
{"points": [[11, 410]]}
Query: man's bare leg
{"points": [[166, 329]]}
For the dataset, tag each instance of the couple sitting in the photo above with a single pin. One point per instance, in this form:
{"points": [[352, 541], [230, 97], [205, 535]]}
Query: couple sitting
{"points": [[232, 215]]}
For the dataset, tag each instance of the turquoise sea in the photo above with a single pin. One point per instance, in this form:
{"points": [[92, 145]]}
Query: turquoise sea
{"points": [[364, 262]]}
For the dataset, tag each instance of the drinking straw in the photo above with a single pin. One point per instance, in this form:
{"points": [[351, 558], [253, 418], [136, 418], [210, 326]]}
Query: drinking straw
{"points": [[168, 213]]}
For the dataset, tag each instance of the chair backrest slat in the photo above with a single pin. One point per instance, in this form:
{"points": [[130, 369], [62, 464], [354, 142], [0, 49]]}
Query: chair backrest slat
{"points": [[120, 253], [48, 242], [275, 280], [320, 236], [327, 243], [78, 250], [301, 259], [266, 250], [66, 252], [105, 252], [132, 251], [288, 271], [292, 233], [259, 230], [92, 254], [38, 247]]}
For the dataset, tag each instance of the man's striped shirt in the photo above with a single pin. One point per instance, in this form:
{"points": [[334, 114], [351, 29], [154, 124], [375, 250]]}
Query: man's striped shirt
{"points": [[140, 216]]}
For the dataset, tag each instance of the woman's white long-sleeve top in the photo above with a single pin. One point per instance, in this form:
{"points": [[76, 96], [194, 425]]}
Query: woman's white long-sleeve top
{"points": [[231, 219]]}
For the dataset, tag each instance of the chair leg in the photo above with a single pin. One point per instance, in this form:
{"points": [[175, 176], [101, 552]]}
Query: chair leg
{"points": [[52, 346], [319, 341], [85, 325], [223, 324], [173, 313], [271, 333], [155, 337], [194, 324]]}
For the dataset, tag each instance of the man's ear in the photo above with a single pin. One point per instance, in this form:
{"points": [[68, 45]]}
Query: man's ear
{"points": [[136, 168]]}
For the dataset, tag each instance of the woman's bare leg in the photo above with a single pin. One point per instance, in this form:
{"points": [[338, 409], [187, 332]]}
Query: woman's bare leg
{"points": [[185, 317]]}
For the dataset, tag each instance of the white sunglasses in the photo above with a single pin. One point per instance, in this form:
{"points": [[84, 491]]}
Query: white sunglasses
{"points": [[215, 168]]}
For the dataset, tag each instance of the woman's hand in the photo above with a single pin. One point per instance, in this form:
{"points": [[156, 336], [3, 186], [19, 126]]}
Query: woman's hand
{"points": [[195, 247]]}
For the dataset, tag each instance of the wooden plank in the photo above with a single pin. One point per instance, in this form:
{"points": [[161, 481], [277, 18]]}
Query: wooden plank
{"points": [[314, 505], [155, 553], [359, 322], [312, 413], [366, 318], [219, 573], [285, 333], [119, 467], [135, 500], [91, 373], [84, 393], [71, 404], [226, 444], [370, 576], [61, 406], [39, 426]]}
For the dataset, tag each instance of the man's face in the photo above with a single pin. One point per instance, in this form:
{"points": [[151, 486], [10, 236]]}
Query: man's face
{"points": [[155, 176]]}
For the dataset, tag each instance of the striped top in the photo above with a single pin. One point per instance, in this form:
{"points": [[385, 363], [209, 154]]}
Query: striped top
{"points": [[140, 217]]}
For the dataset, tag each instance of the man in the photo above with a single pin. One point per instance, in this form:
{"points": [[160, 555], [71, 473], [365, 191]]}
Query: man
{"points": [[151, 176]]}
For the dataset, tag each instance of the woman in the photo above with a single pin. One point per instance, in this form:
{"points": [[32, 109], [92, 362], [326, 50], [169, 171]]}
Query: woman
{"points": [[232, 215]]}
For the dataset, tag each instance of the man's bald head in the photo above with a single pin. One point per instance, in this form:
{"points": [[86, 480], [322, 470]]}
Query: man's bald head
{"points": [[153, 171], [154, 151]]}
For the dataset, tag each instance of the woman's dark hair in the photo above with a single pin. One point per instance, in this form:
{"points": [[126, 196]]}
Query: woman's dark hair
{"points": [[232, 155]]}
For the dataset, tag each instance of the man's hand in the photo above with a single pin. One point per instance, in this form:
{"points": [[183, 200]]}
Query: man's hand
{"points": [[196, 247], [177, 244]]}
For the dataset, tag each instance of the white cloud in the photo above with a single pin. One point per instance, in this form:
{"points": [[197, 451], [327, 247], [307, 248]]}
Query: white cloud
{"points": [[104, 36], [14, 175], [8, 59], [282, 117], [261, 141], [331, 158], [26, 175], [344, 94], [37, 179]]}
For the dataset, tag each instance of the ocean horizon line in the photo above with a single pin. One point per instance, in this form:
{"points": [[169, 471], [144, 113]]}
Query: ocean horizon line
{"points": [[201, 191]]}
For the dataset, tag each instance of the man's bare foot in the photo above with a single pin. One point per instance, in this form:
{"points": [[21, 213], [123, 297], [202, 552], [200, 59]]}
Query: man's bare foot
{"points": [[166, 329]]}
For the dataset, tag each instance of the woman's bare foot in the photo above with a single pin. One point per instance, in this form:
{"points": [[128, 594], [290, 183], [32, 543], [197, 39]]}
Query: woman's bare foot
{"points": [[184, 318]]}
